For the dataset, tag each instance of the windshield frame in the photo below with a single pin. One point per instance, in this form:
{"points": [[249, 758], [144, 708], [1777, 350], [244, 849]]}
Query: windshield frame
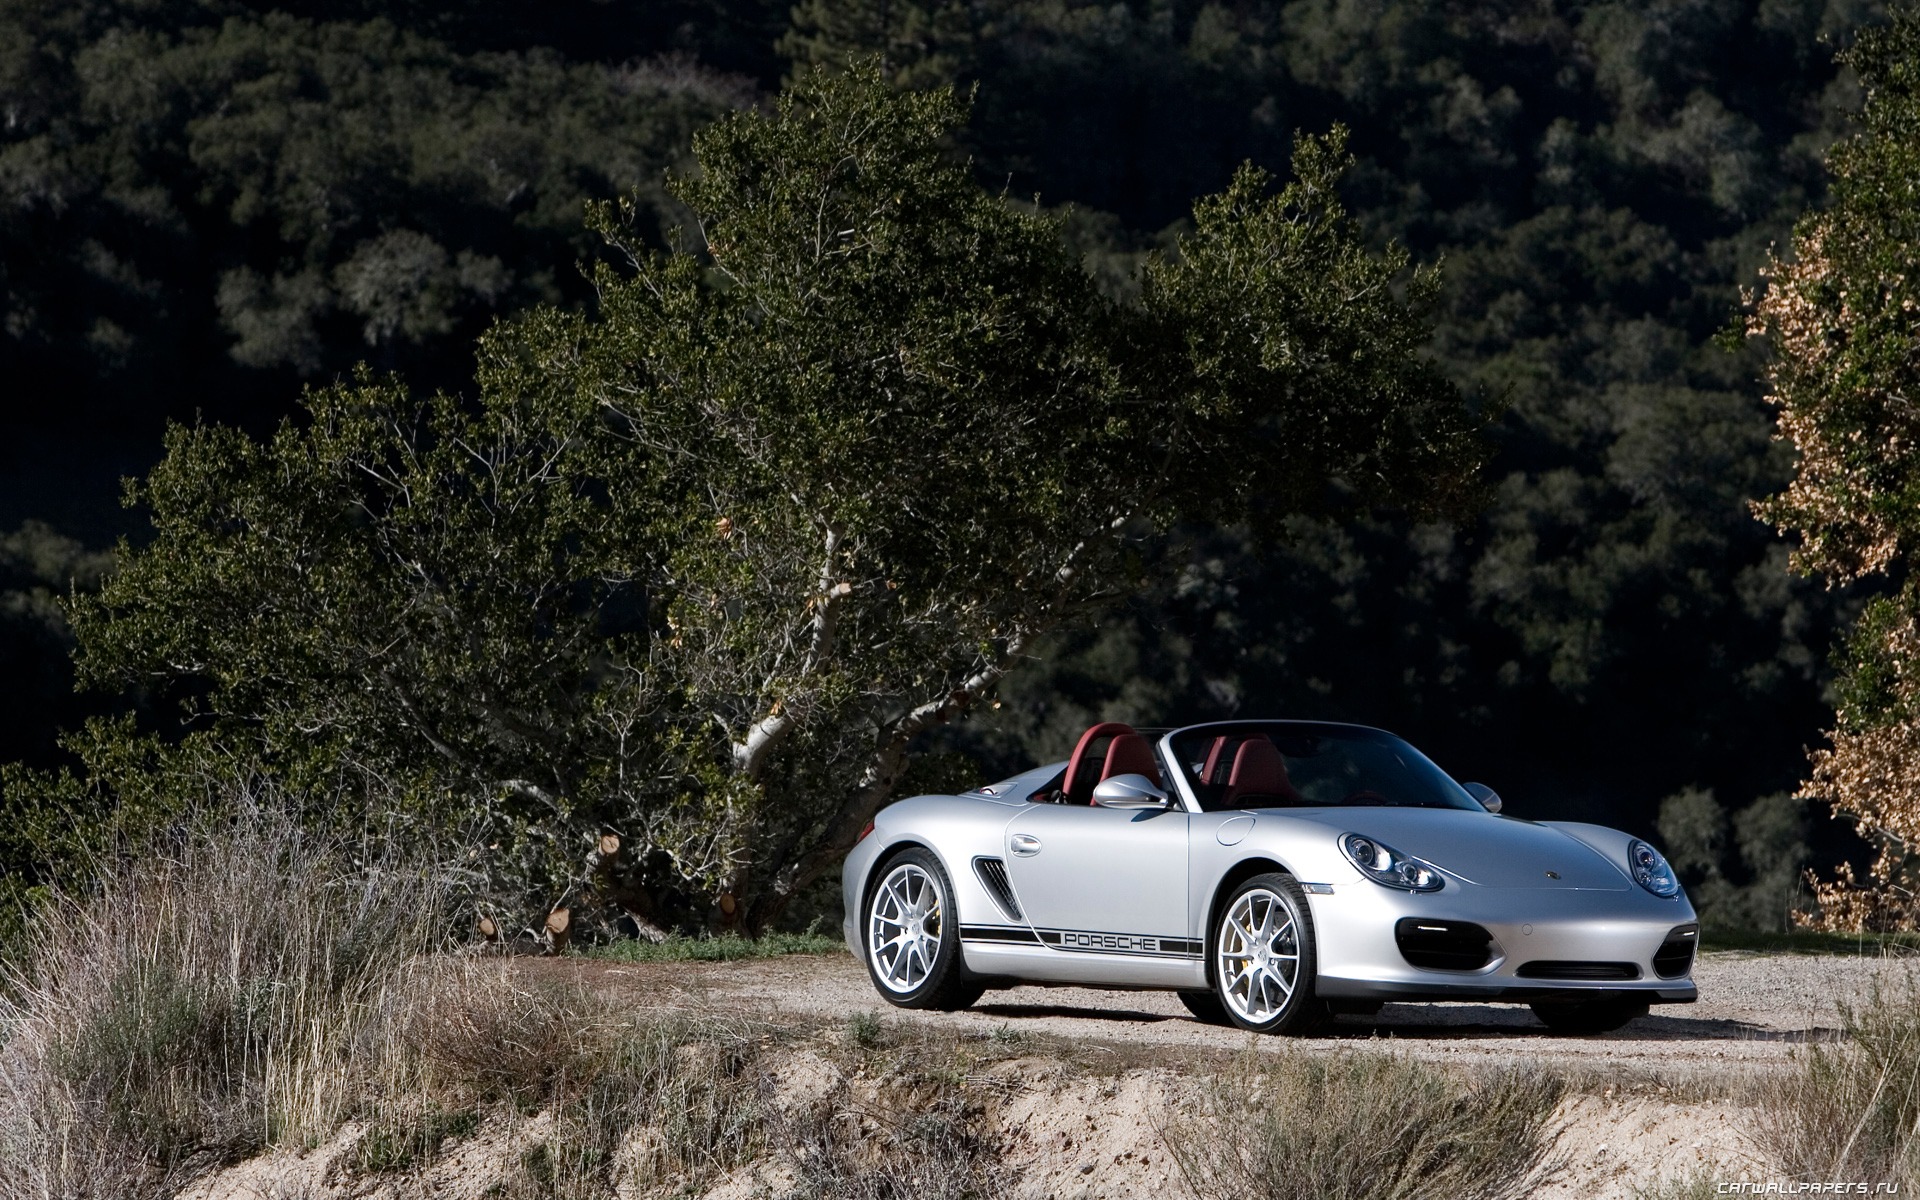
{"points": [[1195, 794]]}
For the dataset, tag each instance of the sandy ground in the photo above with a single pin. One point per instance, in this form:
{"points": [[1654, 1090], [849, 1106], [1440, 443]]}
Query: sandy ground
{"points": [[1753, 1009]]}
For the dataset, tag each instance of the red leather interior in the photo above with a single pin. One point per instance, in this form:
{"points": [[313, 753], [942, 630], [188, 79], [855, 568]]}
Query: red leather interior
{"points": [[1215, 753], [1081, 775], [1129, 754], [1258, 770]]}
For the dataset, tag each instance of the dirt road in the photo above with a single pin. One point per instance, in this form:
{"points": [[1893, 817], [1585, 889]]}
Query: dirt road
{"points": [[1753, 1009]]}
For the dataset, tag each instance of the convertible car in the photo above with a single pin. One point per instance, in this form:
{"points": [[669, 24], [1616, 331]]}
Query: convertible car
{"points": [[1273, 873]]}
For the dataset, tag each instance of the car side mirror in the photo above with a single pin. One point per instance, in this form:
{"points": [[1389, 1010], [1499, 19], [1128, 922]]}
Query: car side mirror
{"points": [[1488, 798], [1129, 791]]}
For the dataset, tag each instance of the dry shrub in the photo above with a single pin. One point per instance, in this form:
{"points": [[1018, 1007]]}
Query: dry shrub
{"points": [[258, 984], [204, 1003], [937, 1152], [1851, 1111], [634, 1100], [1295, 1123]]}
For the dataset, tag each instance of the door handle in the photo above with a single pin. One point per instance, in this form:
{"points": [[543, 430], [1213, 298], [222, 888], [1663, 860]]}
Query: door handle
{"points": [[1025, 845]]}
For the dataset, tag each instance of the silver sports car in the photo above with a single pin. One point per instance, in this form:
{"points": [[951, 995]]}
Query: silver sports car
{"points": [[1272, 873]]}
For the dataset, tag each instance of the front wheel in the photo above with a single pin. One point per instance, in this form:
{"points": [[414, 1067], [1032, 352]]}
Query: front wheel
{"points": [[913, 936], [1587, 1016], [1263, 957]]}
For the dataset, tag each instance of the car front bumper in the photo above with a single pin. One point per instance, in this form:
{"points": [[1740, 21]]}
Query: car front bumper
{"points": [[1537, 935]]}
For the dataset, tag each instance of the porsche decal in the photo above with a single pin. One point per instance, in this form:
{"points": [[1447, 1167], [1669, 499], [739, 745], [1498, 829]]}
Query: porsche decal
{"points": [[1085, 941]]}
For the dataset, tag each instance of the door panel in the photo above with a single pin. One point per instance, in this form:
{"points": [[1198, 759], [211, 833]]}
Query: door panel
{"points": [[1083, 869]]}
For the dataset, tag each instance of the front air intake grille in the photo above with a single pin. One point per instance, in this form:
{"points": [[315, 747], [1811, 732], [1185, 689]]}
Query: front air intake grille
{"points": [[1554, 968], [1443, 945], [1674, 958], [993, 876]]}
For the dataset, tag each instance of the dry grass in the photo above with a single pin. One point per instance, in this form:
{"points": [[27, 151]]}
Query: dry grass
{"points": [[1362, 1123], [257, 986], [209, 1002], [629, 1099], [1851, 1110]]}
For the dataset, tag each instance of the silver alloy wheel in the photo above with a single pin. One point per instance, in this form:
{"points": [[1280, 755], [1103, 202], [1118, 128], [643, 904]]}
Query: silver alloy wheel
{"points": [[1258, 959], [903, 928]]}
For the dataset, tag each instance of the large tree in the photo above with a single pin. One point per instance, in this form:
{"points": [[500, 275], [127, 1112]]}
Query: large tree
{"points": [[698, 569], [1842, 316]]}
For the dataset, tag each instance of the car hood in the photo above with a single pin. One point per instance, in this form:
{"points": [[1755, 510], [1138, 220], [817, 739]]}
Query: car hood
{"points": [[1480, 848]]}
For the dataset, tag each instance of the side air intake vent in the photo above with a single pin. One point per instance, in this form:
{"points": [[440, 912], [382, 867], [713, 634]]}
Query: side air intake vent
{"points": [[1548, 968], [1674, 958], [1443, 945], [993, 876]]}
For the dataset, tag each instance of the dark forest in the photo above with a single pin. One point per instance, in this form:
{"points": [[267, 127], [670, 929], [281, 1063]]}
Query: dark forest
{"points": [[211, 205]]}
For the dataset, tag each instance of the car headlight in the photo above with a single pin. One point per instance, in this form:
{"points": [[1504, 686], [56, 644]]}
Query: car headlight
{"points": [[1651, 871], [1385, 865]]}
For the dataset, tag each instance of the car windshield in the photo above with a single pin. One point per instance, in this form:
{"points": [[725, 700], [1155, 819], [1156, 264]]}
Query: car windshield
{"points": [[1299, 764]]}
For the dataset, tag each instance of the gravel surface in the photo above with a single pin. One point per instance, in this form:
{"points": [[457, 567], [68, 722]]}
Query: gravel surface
{"points": [[1753, 1009]]}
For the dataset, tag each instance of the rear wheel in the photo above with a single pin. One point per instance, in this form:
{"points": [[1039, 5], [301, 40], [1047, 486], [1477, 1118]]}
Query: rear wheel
{"points": [[1587, 1016], [1263, 957], [913, 936]]}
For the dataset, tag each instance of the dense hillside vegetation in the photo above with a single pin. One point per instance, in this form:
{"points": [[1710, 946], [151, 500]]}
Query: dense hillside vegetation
{"points": [[208, 204]]}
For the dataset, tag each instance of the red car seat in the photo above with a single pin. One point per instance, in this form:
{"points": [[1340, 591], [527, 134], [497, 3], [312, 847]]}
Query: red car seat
{"points": [[1258, 770], [1130, 754], [1082, 772]]}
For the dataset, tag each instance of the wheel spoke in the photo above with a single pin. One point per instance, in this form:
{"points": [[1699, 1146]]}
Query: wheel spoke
{"points": [[904, 928], [1257, 956]]}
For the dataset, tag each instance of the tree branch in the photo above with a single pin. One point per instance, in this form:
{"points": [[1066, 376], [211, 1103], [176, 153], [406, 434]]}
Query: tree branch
{"points": [[876, 785], [750, 753]]}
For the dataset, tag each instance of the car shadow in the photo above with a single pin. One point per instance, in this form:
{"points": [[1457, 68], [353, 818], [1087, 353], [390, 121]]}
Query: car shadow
{"points": [[1480, 1021], [1450, 1022], [1032, 1011]]}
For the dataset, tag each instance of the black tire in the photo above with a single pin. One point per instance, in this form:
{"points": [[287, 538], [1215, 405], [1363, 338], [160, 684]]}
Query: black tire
{"points": [[1588, 1016], [1300, 1011], [925, 971], [1206, 1008]]}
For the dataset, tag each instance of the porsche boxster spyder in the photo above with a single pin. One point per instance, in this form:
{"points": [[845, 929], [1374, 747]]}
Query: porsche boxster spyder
{"points": [[1273, 873]]}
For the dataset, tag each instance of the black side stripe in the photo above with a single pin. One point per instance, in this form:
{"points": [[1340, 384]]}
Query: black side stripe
{"points": [[1083, 941], [997, 933]]}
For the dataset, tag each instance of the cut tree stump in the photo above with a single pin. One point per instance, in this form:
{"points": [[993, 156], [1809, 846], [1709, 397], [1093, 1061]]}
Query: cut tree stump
{"points": [[558, 923], [602, 857]]}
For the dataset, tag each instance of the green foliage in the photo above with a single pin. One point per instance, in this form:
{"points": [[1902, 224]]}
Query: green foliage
{"points": [[1843, 320], [700, 568], [392, 1146], [727, 948], [1601, 180], [1742, 869], [188, 178], [918, 42], [865, 1030], [355, 189]]}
